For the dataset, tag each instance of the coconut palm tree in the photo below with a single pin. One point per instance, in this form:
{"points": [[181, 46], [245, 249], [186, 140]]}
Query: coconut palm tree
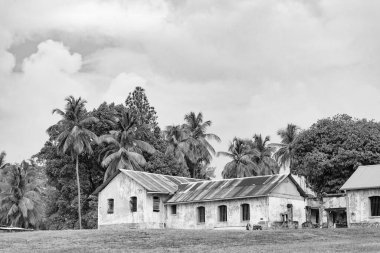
{"points": [[20, 201], [75, 138], [2, 160], [122, 150], [241, 164], [202, 150], [264, 158], [176, 138], [285, 152]]}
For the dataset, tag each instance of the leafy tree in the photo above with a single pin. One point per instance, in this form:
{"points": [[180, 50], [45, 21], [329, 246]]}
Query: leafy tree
{"points": [[284, 154], [267, 165], [75, 138], [20, 200], [123, 151], [140, 109], [165, 164], [330, 150], [241, 164], [202, 151]]}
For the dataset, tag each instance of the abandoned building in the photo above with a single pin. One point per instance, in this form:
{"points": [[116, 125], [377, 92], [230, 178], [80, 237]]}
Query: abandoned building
{"points": [[134, 199], [362, 192]]}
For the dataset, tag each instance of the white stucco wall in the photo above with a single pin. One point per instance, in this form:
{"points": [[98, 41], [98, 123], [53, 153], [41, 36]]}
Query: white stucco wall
{"points": [[359, 207], [187, 217], [121, 189], [278, 205]]}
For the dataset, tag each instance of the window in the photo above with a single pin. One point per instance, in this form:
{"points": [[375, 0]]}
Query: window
{"points": [[222, 213], [375, 205], [133, 204], [156, 204], [174, 209], [245, 212], [201, 214], [110, 206]]}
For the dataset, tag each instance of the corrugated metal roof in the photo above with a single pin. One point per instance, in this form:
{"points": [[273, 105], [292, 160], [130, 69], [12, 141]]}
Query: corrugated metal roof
{"points": [[151, 182], [158, 182], [229, 189], [364, 177]]}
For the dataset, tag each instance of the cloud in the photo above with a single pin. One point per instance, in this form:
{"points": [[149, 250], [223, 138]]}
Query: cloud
{"points": [[27, 98], [121, 86], [249, 66]]}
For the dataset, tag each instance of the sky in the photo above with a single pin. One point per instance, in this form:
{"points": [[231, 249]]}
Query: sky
{"points": [[250, 66]]}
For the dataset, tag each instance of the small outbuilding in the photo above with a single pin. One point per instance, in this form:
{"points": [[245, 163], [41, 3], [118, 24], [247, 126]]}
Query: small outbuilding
{"points": [[363, 196]]}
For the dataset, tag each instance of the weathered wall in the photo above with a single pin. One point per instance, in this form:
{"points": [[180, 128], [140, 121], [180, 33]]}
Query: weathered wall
{"points": [[278, 205], [121, 189], [186, 216], [358, 207]]}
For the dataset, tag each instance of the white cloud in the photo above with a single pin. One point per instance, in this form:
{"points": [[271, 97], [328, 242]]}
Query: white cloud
{"points": [[121, 86], [249, 66]]}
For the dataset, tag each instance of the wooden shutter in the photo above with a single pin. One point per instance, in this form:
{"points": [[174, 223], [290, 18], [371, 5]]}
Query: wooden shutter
{"points": [[133, 204], [245, 212], [222, 213], [201, 214], [110, 206], [156, 204]]}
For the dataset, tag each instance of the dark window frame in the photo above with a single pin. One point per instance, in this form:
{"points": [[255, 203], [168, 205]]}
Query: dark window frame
{"points": [[222, 211], [245, 212], [375, 205], [133, 204], [111, 206], [201, 211], [173, 209], [156, 204]]}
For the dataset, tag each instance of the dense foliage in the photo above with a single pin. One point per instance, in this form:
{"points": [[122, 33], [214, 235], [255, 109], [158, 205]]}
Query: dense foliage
{"points": [[330, 150], [249, 158], [21, 204], [128, 137]]}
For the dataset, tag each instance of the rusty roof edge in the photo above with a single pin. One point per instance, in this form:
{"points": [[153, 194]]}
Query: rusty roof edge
{"points": [[211, 200]]}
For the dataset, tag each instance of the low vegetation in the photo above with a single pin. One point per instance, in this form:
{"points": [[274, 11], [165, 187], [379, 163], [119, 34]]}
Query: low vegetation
{"points": [[301, 240]]}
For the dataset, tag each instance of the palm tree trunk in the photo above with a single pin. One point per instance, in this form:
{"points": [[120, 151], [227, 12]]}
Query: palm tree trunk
{"points": [[78, 185]]}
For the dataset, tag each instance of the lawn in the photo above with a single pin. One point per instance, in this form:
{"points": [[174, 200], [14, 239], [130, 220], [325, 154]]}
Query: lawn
{"points": [[301, 240]]}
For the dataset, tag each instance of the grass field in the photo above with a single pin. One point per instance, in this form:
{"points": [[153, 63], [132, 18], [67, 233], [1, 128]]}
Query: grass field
{"points": [[301, 240]]}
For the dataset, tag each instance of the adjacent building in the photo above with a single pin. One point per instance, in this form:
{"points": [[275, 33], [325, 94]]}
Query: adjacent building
{"points": [[362, 192]]}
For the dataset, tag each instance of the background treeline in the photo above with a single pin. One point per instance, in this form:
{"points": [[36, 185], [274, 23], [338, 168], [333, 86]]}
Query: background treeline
{"points": [[54, 189]]}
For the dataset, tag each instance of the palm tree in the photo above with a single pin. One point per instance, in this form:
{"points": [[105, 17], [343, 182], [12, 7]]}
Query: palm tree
{"points": [[2, 160], [20, 201], [178, 146], [285, 151], [241, 164], [74, 138], [123, 151], [264, 158], [198, 139]]}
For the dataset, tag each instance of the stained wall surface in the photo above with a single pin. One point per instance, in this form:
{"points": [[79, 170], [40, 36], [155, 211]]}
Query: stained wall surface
{"points": [[121, 189], [187, 214], [359, 207]]}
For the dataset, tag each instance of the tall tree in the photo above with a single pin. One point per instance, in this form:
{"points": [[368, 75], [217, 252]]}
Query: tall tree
{"points": [[122, 150], [241, 164], [198, 139], [2, 160], [20, 200], [178, 147], [75, 138], [140, 109], [284, 154], [332, 148], [264, 158]]}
